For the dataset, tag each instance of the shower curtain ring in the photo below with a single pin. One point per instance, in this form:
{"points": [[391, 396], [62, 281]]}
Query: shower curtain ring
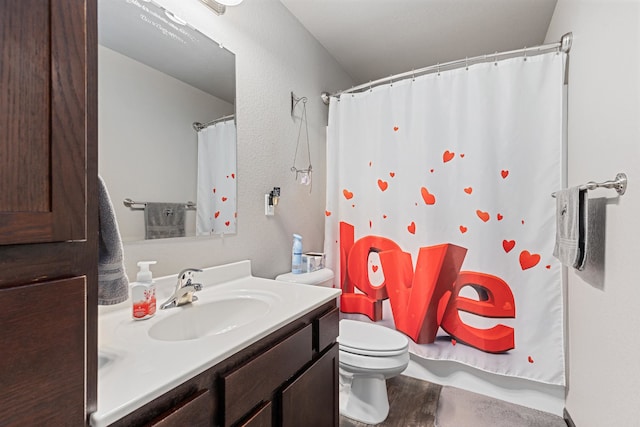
{"points": [[495, 59], [413, 75], [438, 68], [525, 54], [466, 63], [370, 88]]}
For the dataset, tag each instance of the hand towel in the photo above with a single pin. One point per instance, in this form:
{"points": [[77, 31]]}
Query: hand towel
{"points": [[113, 285], [571, 227], [164, 220]]}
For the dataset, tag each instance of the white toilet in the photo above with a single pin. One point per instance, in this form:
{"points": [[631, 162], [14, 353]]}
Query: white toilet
{"points": [[368, 355]]}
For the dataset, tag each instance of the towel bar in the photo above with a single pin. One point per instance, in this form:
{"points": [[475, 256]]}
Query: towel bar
{"points": [[141, 205], [619, 184]]}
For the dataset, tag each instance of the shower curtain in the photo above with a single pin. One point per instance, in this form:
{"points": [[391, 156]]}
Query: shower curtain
{"points": [[439, 215], [216, 195]]}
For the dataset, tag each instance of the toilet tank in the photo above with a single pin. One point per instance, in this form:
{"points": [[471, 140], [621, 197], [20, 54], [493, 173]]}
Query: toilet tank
{"points": [[322, 277]]}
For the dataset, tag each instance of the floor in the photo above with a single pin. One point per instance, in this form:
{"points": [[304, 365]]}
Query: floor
{"points": [[416, 403], [412, 403]]}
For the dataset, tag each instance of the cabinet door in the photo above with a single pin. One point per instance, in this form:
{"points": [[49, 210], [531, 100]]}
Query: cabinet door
{"points": [[42, 337], [312, 399], [43, 101]]}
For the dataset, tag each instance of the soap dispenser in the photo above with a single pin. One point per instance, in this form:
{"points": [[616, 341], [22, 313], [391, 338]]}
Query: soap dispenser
{"points": [[143, 292]]}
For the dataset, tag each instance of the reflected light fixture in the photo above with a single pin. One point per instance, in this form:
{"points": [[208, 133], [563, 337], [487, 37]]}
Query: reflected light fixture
{"points": [[220, 6]]}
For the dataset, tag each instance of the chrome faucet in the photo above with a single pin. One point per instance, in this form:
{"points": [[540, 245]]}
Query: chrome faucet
{"points": [[185, 289]]}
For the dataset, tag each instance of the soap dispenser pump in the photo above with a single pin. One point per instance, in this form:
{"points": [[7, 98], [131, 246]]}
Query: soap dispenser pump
{"points": [[143, 292]]}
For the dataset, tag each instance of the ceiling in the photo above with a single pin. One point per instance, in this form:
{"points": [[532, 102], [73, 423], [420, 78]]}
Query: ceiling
{"points": [[142, 31], [372, 39]]}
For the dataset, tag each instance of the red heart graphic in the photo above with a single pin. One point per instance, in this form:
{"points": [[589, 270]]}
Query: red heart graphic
{"points": [[463, 229], [530, 359], [447, 155], [217, 214], [548, 266], [374, 268], [224, 199], [483, 215], [382, 184], [392, 174], [504, 173], [431, 170], [369, 224], [227, 223], [214, 191], [395, 128], [412, 228], [347, 194], [327, 213], [508, 245], [227, 176], [369, 164], [468, 190], [500, 217], [428, 198], [453, 341], [353, 206], [528, 260], [233, 175], [462, 155]]}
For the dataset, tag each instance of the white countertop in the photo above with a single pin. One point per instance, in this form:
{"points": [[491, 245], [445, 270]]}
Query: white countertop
{"points": [[134, 368]]}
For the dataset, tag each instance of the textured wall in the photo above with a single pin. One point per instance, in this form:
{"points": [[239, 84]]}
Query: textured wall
{"points": [[604, 139], [274, 56]]}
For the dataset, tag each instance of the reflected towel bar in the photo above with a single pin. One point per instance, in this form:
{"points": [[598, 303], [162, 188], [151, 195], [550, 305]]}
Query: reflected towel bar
{"points": [[619, 184], [139, 206]]}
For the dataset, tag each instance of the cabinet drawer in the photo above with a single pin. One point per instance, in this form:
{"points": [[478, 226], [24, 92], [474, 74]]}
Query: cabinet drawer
{"points": [[197, 411], [262, 417], [255, 381], [326, 329]]}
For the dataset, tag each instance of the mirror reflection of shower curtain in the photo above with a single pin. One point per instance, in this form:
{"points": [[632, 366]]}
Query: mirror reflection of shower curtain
{"points": [[216, 202]]}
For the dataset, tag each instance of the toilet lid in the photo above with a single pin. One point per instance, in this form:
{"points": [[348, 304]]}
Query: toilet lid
{"points": [[370, 340]]}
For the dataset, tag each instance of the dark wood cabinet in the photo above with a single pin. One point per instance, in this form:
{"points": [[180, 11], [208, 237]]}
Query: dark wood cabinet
{"points": [[42, 126], [289, 378], [48, 211]]}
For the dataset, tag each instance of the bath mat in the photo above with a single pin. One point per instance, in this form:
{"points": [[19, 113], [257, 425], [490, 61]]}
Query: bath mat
{"points": [[460, 408]]}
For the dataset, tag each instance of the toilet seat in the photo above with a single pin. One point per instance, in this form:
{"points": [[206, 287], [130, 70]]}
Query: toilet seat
{"points": [[367, 339]]}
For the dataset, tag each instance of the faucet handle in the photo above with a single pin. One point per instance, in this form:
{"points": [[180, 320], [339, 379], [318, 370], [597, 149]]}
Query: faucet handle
{"points": [[184, 277]]}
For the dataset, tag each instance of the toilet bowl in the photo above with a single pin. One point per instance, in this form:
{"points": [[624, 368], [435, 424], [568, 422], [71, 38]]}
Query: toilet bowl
{"points": [[368, 355]]}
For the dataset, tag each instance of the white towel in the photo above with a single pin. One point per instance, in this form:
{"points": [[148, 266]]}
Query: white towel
{"points": [[571, 209]]}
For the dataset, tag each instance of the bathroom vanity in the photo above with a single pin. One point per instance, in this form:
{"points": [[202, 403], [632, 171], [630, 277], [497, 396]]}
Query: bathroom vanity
{"points": [[249, 352]]}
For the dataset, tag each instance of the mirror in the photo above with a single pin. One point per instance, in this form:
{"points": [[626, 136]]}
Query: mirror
{"points": [[157, 76]]}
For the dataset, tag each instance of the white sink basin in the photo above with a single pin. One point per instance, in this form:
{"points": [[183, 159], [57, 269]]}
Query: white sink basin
{"points": [[224, 314]]}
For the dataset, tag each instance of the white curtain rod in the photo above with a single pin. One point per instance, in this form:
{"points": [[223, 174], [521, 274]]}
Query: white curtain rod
{"points": [[563, 45]]}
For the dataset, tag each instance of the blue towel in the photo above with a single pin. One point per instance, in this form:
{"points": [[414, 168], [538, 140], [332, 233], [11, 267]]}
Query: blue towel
{"points": [[113, 284]]}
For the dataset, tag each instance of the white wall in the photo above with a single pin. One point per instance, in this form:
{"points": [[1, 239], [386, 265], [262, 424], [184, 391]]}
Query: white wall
{"points": [[604, 139], [274, 56], [147, 145]]}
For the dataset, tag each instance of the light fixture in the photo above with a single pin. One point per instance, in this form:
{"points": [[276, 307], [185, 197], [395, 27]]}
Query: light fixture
{"points": [[220, 6]]}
